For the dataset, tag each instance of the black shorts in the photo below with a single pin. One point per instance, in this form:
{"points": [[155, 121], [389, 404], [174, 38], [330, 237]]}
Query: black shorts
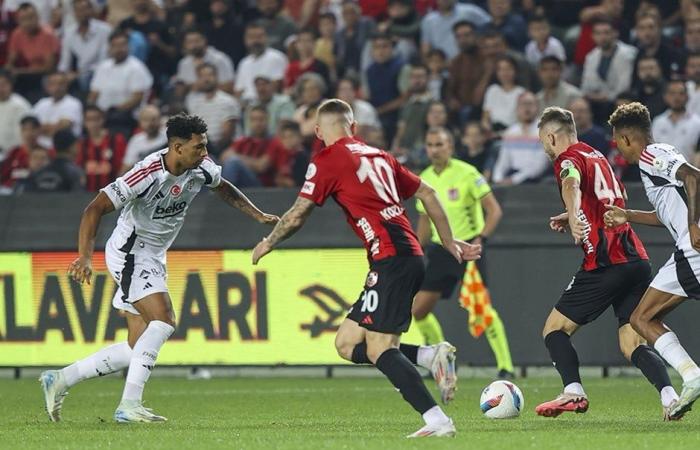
{"points": [[385, 303], [591, 293], [443, 272]]}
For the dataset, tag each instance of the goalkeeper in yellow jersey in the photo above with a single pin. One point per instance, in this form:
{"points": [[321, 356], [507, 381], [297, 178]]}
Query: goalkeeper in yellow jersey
{"points": [[466, 196]]}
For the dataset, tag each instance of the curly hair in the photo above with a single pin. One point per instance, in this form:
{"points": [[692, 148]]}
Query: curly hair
{"points": [[183, 126], [632, 115]]}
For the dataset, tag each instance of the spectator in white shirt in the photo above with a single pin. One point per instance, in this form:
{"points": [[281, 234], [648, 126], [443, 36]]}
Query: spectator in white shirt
{"points": [[501, 97], [261, 60], [59, 110], [84, 45], [677, 126], [120, 84], [219, 110], [12, 108], [521, 159], [542, 43], [198, 51], [150, 139], [365, 114]]}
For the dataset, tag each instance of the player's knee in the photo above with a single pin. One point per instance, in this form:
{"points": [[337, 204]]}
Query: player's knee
{"points": [[344, 348], [638, 320]]}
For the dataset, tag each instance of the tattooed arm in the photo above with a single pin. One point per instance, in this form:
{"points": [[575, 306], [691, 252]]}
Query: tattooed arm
{"points": [[290, 223], [235, 198]]}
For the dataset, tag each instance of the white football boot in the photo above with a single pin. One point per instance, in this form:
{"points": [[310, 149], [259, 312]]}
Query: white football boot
{"points": [[131, 411], [445, 429], [55, 390], [443, 371]]}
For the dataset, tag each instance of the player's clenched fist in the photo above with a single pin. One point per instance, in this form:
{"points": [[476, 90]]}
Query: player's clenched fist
{"points": [[269, 219], [81, 270], [559, 223], [614, 216], [463, 251]]}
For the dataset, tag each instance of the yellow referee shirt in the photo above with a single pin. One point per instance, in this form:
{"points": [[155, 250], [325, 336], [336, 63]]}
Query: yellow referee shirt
{"points": [[460, 188]]}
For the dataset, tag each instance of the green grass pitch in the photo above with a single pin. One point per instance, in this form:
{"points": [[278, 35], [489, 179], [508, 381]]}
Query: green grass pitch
{"points": [[339, 413]]}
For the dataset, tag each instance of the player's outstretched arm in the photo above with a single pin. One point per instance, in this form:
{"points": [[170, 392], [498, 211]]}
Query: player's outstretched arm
{"points": [[290, 223], [571, 194], [237, 199], [459, 249], [81, 269], [616, 216], [690, 176]]}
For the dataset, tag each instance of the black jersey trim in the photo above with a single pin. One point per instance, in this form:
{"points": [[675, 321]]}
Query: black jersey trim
{"points": [[682, 194], [129, 244], [628, 246], [128, 270], [143, 194], [399, 239], [686, 276], [207, 178], [657, 181], [602, 259]]}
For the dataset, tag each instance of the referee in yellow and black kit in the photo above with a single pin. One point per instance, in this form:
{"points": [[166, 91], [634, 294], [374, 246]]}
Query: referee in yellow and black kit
{"points": [[466, 195]]}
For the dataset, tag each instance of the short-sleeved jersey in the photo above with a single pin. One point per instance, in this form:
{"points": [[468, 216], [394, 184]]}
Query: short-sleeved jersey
{"points": [[369, 184], [154, 201], [601, 246], [460, 188], [658, 165]]}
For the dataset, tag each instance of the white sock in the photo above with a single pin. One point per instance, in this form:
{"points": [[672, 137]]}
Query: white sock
{"points": [[103, 362], [144, 358], [673, 352], [668, 395], [574, 388], [435, 416], [425, 356]]}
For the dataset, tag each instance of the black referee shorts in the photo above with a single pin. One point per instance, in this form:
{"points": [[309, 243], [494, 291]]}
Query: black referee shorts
{"points": [[443, 272]]}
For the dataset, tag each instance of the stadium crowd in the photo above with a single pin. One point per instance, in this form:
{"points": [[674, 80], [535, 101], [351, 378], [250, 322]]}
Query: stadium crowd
{"points": [[86, 85]]}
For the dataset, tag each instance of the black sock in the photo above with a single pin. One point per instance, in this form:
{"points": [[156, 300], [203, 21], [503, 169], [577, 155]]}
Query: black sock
{"points": [[563, 356], [652, 366], [404, 376], [359, 353]]}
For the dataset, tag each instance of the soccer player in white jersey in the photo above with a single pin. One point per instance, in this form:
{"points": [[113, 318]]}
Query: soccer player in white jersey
{"points": [[153, 196], [671, 184]]}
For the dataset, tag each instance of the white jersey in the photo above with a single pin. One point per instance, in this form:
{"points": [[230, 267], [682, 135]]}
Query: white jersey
{"points": [[155, 202]]}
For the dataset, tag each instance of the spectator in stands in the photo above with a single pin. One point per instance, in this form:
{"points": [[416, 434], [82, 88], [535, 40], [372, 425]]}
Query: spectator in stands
{"points": [[677, 126], [610, 10], [555, 91], [303, 12], [292, 160], [509, 23], [521, 159], [353, 38], [7, 24], [12, 108], [692, 73], [542, 43], [261, 60], [650, 85], [493, 46], [477, 149], [438, 73], [59, 110], [651, 43], [249, 160], [120, 84], [411, 129], [15, 166], [437, 26], [278, 26], [403, 25], [382, 78], [162, 52], [365, 114], [84, 45], [34, 50], [326, 45], [469, 75], [100, 151], [225, 30], [692, 36], [588, 132], [150, 139], [220, 111], [608, 69], [279, 106], [61, 174], [309, 94], [306, 62], [373, 136], [197, 52], [501, 98]]}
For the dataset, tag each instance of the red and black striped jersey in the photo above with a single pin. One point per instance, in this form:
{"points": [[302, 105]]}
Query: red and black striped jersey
{"points": [[601, 246]]}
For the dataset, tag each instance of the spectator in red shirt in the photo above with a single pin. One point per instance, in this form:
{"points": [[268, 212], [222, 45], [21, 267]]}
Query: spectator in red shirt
{"points": [[292, 159], [100, 151], [33, 52], [250, 161], [7, 24], [16, 166], [304, 45]]}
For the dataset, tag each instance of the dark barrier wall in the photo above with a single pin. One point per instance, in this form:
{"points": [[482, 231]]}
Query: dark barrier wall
{"points": [[529, 265]]}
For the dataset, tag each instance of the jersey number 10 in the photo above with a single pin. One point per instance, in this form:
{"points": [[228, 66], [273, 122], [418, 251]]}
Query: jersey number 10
{"points": [[602, 190], [381, 176]]}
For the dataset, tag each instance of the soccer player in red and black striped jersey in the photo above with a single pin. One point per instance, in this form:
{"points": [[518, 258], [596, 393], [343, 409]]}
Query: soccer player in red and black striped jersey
{"points": [[369, 185], [615, 270]]}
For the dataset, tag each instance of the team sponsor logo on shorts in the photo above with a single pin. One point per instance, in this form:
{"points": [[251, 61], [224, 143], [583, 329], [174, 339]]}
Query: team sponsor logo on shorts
{"points": [[372, 279], [453, 194], [308, 187], [311, 171], [144, 274], [175, 191]]}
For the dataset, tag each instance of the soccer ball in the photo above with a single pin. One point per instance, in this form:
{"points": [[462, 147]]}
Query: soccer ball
{"points": [[501, 400]]}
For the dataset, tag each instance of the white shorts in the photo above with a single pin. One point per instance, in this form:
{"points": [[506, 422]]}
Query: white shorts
{"points": [[138, 273], [680, 275]]}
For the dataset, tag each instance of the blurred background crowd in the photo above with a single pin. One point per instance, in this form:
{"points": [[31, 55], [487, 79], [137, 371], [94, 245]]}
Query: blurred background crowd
{"points": [[87, 85]]}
